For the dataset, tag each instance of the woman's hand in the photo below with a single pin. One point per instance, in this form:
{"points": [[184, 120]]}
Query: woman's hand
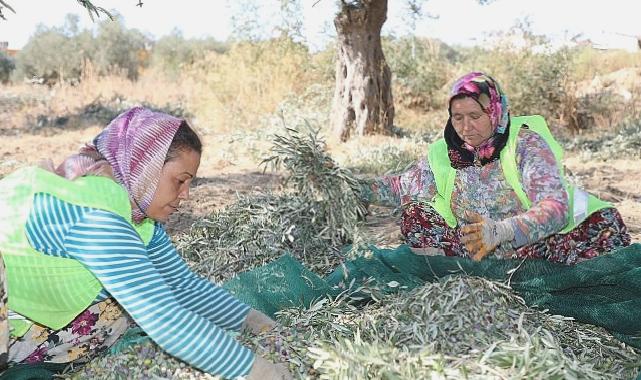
{"points": [[483, 235], [257, 322], [266, 370]]}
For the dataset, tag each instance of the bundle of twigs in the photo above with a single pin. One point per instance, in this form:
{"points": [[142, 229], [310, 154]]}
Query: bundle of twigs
{"points": [[315, 176], [315, 216]]}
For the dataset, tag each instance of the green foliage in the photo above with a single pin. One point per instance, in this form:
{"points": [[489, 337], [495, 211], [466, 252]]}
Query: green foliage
{"points": [[421, 68], [380, 159], [245, 20], [250, 80], [316, 177], [173, 52], [60, 54], [94, 10], [316, 215], [591, 62], [323, 65], [120, 49], [4, 5], [623, 142], [256, 230], [55, 54], [291, 20], [456, 328], [7, 65], [233, 86]]}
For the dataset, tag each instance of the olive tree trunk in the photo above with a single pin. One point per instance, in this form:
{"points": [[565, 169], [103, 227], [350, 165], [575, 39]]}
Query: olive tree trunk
{"points": [[363, 101]]}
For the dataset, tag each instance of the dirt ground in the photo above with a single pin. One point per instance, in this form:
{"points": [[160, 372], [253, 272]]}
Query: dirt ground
{"points": [[220, 182]]}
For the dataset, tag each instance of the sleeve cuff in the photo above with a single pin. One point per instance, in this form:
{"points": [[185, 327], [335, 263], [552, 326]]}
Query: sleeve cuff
{"points": [[520, 239]]}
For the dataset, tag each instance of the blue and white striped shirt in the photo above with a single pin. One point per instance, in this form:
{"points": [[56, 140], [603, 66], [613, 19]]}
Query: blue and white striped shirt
{"points": [[183, 313]]}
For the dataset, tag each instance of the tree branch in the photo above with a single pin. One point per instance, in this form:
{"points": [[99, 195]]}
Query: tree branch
{"points": [[87, 4], [91, 9], [5, 5]]}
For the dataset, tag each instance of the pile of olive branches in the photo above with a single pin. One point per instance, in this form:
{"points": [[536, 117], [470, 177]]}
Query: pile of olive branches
{"points": [[312, 219], [458, 328]]}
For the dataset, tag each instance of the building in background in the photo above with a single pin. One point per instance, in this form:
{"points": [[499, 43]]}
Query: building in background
{"points": [[4, 48]]}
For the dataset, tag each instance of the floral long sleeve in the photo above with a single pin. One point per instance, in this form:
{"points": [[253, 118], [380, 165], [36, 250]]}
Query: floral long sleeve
{"points": [[413, 186], [484, 190], [541, 180]]}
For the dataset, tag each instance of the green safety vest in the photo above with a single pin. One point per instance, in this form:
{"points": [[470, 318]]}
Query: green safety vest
{"points": [[50, 290], [581, 204]]}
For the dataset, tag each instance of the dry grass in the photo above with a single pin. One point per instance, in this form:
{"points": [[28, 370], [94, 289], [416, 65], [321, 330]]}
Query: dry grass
{"points": [[221, 93], [591, 62], [236, 89]]}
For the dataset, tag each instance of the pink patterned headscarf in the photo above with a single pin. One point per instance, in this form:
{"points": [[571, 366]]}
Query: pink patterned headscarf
{"points": [[487, 92], [132, 150]]}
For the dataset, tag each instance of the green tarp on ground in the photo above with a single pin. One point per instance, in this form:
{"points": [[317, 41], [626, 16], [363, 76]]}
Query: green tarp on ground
{"points": [[281, 284], [40, 371], [604, 291]]}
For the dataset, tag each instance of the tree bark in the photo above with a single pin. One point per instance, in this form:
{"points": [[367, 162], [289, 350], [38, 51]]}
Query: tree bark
{"points": [[363, 101]]}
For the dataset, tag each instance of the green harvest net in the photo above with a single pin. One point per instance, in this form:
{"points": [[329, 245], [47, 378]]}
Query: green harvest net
{"points": [[604, 291]]}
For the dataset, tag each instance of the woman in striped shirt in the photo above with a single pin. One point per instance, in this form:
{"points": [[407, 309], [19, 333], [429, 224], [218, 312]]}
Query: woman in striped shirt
{"points": [[86, 253]]}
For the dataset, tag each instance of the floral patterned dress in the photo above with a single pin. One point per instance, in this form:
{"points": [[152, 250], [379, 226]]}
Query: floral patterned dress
{"points": [[484, 189], [93, 331]]}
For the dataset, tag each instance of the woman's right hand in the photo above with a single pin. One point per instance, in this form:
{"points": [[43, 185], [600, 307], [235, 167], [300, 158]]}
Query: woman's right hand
{"points": [[483, 235], [266, 370]]}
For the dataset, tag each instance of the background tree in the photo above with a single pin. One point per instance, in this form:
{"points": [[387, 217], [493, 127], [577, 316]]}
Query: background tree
{"points": [[120, 48], [4, 5], [171, 53], [87, 4], [413, 13], [7, 65], [55, 54], [245, 20], [420, 65], [291, 20], [363, 100]]}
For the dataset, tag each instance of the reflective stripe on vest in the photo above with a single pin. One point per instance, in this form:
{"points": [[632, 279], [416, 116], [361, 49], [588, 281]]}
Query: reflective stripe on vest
{"points": [[581, 204], [52, 290]]}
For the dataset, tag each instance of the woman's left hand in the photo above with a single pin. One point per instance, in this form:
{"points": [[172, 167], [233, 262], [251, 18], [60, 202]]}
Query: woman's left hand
{"points": [[483, 235], [257, 322]]}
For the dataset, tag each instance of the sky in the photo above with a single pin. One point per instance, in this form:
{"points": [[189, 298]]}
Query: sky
{"points": [[461, 22]]}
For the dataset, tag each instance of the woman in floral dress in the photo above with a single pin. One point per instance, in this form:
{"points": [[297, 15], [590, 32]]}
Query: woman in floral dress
{"points": [[494, 185]]}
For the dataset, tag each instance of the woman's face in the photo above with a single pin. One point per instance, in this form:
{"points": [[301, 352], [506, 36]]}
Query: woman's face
{"points": [[470, 122], [173, 186]]}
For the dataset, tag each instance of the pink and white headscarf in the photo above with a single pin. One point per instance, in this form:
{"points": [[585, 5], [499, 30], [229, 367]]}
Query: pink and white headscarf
{"points": [[489, 95], [132, 150], [487, 92]]}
